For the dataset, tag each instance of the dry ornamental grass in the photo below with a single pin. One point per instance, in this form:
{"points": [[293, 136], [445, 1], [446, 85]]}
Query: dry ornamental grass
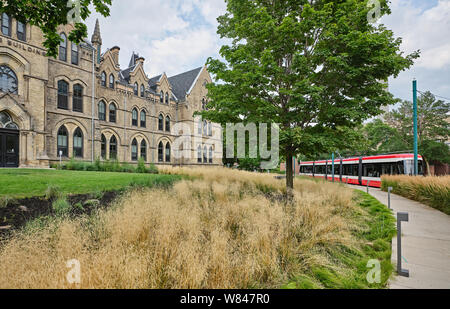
{"points": [[223, 229]]}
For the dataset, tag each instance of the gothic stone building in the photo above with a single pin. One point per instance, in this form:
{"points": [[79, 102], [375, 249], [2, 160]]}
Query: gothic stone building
{"points": [[82, 105]]}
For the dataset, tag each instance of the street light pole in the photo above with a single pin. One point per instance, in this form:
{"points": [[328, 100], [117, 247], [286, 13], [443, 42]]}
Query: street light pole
{"points": [[416, 147]]}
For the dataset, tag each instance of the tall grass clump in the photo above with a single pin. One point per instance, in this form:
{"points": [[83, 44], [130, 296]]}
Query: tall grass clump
{"points": [[432, 191], [107, 166], [218, 229]]}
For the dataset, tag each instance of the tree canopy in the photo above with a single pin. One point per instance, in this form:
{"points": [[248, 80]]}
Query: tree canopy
{"points": [[49, 14], [316, 68]]}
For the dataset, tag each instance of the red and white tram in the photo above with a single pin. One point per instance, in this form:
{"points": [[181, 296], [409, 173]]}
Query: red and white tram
{"points": [[360, 170]]}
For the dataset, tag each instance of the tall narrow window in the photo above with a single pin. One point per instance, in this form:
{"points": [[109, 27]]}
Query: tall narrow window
{"points": [[144, 150], [205, 127], [112, 113], [6, 24], [161, 122], [199, 154], [167, 98], [78, 98], [21, 31], [200, 126], [142, 91], [143, 119], [63, 94], [111, 81], [136, 89], [209, 129], [113, 148], [134, 117], [160, 152], [203, 104], [63, 48], [168, 154], [210, 155], [205, 155], [103, 79], [161, 97], [102, 111], [103, 147], [74, 54], [78, 143], [167, 124], [62, 143], [8, 80], [134, 150]]}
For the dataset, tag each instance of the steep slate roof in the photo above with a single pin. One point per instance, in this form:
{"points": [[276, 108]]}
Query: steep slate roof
{"points": [[152, 82], [181, 83], [134, 58]]}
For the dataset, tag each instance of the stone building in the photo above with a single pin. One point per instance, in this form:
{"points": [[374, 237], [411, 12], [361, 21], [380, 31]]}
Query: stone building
{"points": [[83, 105]]}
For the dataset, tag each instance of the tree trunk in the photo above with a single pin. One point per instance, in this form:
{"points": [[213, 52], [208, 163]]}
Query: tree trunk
{"points": [[289, 172]]}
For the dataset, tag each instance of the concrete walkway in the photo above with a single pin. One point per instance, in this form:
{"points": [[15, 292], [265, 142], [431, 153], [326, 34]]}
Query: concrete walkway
{"points": [[425, 244]]}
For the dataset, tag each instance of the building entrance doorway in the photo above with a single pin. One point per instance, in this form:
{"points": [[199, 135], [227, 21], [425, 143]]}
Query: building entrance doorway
{"points": [[9, 142]]}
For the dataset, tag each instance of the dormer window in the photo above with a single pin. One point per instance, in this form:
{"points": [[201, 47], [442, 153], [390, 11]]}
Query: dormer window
{"points": [[167, 98], [103, 79], [63, 48], [161, 97], [74, 54], [136, 89], [142, 91]]}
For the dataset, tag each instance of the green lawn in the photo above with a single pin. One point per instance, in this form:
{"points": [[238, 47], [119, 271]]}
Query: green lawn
{"points": [[23, 183]]}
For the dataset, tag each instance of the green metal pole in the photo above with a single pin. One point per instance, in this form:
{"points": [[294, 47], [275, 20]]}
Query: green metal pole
{"points": [[332, 168], [416, 143]]}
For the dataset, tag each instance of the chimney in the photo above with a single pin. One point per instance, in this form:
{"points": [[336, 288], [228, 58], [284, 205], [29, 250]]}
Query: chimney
{"points": [[140, 60]]}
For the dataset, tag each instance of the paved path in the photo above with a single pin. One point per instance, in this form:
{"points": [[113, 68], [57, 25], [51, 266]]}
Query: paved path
{"points": [[425, 244]]}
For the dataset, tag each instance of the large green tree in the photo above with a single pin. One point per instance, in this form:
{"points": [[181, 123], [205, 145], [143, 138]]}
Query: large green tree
{"points": [[316, 67], [433, 126], [49, 14]]}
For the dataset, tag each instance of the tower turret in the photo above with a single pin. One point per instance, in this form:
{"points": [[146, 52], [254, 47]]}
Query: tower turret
{"points": [[97, 40]]}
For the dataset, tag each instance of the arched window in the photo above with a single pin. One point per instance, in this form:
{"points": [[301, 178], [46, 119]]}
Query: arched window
{"points": [[112, 113], [199, 154], [210, 155], [134, 117], [74, 54], [103, 147], [167, 98], [144, 150], [160, 152], [142, 91], [6, 122], [103, 79], [21, 31], [167, 124], [205, 155], [203, 104], [102, 111], [161, 122], [63, 48], [111, 81], [77, 98], [205, 127], [113, 148], [63, 94], [168, 154], [136, 89], [8, 80], [78, 143], [62, 143], [134, 150], [6, 24], [143, 119], [161, 97], [209, 129]]}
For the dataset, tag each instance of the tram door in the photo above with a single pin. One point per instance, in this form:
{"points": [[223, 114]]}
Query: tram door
{"points": [[9, 148]]}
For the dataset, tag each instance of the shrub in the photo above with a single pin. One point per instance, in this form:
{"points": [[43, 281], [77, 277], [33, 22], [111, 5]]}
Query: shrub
{"points": [[433, 191], [53, 193], [153, 169], [61, 206], [141, 166]]}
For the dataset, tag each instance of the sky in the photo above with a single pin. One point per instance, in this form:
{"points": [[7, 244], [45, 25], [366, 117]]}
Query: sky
{"points": [[175, 36]]}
